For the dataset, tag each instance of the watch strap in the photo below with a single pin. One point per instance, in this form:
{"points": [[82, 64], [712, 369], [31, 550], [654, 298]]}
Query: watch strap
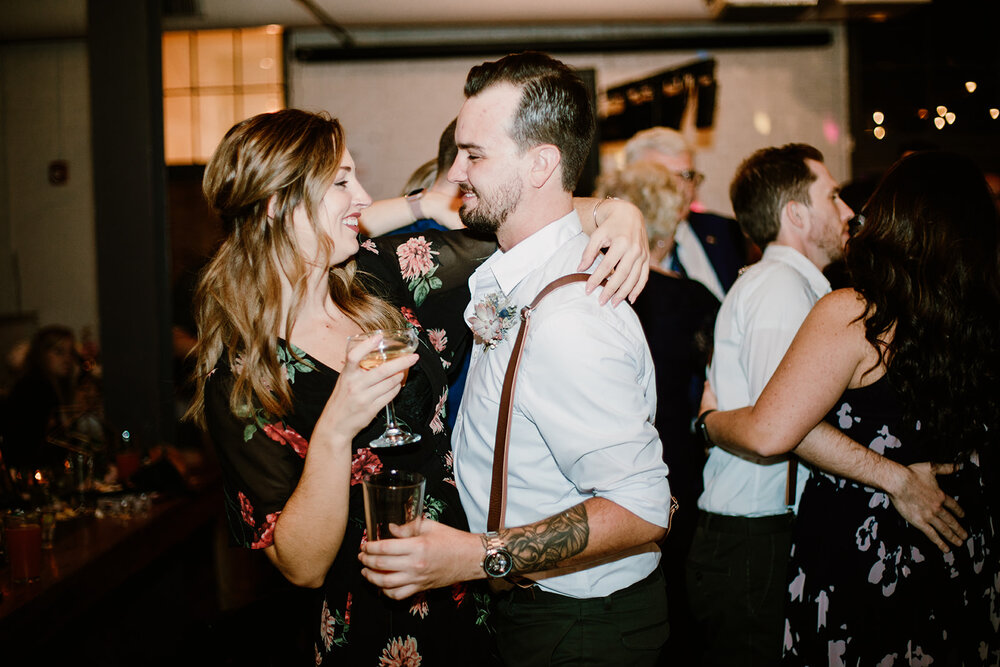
{"points": [[413, 201]]}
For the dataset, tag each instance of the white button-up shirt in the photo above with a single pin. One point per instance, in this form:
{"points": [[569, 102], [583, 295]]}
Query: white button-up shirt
{"points": [[755, 325], [582, 423]]}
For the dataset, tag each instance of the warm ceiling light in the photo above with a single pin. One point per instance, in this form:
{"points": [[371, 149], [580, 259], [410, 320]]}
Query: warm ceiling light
{"points": [[942, 110], [970, 86], [879, 132], [950, 117], [273, 29], [939, 122], [878, 117], [922, 113], [994, 113]]}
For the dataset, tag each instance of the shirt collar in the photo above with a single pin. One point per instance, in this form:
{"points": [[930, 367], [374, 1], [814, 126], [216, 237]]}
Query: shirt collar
{"points": [[510, 267], [795, 259]]}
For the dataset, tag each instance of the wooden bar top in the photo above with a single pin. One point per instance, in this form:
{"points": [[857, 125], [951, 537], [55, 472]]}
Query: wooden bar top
{"points": [[91, 556]]}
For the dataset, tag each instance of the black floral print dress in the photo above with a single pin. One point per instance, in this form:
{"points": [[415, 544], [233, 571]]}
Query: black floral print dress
{"points": [[867, 588], [262, 457]]}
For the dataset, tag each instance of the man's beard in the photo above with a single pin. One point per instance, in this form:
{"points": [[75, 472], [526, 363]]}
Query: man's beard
{"points": [[489, 214]]}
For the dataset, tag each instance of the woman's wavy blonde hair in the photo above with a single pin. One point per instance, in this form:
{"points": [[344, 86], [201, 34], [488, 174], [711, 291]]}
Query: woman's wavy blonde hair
{"points": [[264, 169], [651, 187]]}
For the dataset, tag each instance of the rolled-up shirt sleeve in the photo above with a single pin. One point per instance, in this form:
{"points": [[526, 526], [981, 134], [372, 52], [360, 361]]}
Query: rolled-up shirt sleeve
{"points": [[589, 388]]}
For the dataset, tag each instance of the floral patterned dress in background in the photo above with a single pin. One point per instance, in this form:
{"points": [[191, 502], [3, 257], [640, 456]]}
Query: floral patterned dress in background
{"points": [[866, 588], [262, 459]]}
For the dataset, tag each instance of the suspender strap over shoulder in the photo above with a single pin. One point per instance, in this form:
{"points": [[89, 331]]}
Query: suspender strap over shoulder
{"points": [[498, 488]]}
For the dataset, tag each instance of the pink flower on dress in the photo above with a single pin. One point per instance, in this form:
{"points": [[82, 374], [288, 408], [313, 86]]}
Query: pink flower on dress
{"points": [[439, 339], [318, 657], [266, 537], [246, 509], [415, 257], [347, 610], [419, 606], [437, 424], [287, 436], [400, 652], [364, 462], [327, 626], [370, 246], [410, 316]]}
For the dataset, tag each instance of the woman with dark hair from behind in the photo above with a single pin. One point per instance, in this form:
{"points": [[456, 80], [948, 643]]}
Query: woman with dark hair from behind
{"points": [[908, 364], [34, 409]]}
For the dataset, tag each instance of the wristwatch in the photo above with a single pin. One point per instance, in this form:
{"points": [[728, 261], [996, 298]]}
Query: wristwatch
{"points": [[701, 430], [497, 561], [413, 199]]}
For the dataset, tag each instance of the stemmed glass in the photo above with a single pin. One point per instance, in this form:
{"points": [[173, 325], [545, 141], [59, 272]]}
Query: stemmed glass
{"points": [[394, 343]]}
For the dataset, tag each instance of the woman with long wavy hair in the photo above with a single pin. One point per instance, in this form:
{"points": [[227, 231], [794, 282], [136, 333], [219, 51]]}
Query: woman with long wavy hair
{"points": [[908, 364], [287, 406]]}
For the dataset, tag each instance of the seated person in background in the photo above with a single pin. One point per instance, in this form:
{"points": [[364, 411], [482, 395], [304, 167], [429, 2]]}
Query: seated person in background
{"points": [[709, 248], [677, 316], [36, 405]]}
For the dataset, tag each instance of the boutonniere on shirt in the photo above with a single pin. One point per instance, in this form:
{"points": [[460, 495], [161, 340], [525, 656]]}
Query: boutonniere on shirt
{"points": [[493, 317]]}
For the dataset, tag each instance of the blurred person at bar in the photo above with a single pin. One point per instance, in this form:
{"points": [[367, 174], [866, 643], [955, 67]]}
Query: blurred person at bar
{"points": [[289, 409], [38, 404]]}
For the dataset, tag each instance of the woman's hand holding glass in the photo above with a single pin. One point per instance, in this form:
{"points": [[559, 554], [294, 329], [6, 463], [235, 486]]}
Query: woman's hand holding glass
{"points": [[360, 394], [383, 346]]}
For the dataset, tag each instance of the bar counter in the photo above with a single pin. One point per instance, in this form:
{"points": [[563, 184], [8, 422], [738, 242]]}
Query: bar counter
{"points": [[92, 558]]}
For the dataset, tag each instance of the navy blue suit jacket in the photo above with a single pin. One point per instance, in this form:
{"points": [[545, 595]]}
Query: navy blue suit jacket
{"points": [[724, 243]]}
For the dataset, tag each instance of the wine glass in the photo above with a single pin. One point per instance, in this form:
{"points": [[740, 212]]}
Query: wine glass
{"points": [[394, 343]]}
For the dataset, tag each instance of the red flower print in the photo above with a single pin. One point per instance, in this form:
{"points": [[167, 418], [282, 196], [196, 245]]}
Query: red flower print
{"points": [[415, 257], [266, 537], [365, 462], [458, 592], [246, 510], [370, 246], [400, 653], [419, 606], [437, 425], [287, 436], [439, 339], [318, 655], [410, 317], [347, 610]]}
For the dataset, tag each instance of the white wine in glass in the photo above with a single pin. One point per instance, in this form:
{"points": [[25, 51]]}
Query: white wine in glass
{"points": [[394, 343]]}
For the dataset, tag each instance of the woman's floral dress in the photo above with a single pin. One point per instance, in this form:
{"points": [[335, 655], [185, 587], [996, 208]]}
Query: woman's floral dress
{"points": [[262, 459], [866, 588]]}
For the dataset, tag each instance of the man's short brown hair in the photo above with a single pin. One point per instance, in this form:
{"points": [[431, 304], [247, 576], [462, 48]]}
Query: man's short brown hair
{"points": [[765, 182]]}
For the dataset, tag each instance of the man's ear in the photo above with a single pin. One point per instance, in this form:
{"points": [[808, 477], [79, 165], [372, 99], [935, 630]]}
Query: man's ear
{"points": [[793, 215], [545, 162]]}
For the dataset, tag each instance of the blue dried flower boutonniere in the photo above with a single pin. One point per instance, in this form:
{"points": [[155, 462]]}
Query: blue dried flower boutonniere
{"points": [[493, 317]]}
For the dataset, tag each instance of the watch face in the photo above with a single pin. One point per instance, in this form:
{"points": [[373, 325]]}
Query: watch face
{"points": [[497, 563]]}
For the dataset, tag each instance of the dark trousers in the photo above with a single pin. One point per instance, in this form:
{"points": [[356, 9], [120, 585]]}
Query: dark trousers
{"points": [[628, 627], [737, 583]]}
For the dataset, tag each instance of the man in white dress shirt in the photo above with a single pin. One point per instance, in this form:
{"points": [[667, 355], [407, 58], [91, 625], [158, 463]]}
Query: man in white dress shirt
{"points": [[587, 485], [788, 203]]}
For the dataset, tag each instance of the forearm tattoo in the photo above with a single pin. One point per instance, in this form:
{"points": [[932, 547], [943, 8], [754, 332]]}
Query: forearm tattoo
{"points": [[545, 545]]}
